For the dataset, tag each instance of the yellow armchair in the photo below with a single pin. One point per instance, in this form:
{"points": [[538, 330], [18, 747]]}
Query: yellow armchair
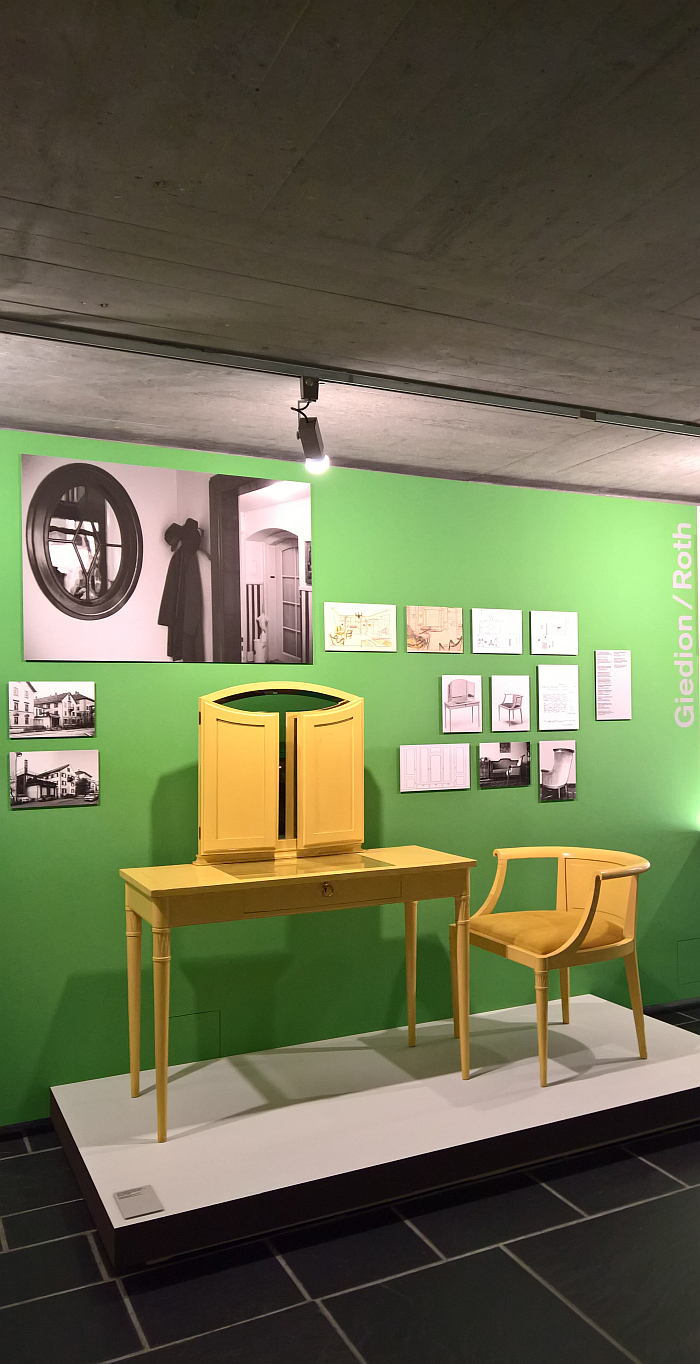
{"points": [[594, 920]]}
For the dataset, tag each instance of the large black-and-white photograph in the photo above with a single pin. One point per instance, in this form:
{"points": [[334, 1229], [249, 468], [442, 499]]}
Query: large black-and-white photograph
{"points": [[46, 779], [506, 764], [41, 708], [124, 562], [557, 770]]}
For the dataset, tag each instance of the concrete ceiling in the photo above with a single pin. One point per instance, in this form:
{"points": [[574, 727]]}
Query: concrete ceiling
{"points": [[495, 194]]}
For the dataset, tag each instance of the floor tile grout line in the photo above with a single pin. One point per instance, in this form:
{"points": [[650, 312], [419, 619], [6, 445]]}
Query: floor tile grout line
{"points": [[4, 1245], [202, 1335], [544, 1185], [131, 1310], [60, 1293], [44, 1206], [638, 1203], [343, 1336], [107, 1278], [50, 1240], [418, 1232], [98, 1258], [646, 1161], [572, 1306], [294, 1278]]}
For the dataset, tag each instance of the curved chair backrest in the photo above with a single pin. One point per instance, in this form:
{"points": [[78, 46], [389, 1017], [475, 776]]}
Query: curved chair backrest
{"points": [[618, 898], [576, 874], [558, 773]]}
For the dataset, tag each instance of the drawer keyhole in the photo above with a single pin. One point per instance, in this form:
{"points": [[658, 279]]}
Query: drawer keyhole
{"points": [[327, 888]]}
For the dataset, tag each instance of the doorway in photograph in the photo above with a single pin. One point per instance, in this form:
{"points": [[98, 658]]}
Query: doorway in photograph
{"points": [[506, 764], [126, 562], [557, 770]]}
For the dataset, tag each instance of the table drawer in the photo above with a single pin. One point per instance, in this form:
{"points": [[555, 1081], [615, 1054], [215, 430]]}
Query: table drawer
{"points": [[332, 891]]}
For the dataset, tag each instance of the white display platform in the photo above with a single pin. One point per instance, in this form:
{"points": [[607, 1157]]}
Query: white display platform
{"points": [[270, 1138]]}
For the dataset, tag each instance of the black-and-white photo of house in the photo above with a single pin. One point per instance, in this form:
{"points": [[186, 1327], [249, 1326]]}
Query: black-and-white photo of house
{"points": [[41, 708], [558, 769], [506, 764], [48, 779], [127, 562]]}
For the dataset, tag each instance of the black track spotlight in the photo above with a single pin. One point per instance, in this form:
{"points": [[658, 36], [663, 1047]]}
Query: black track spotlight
{"points": [[308, 430], [309, 433]]}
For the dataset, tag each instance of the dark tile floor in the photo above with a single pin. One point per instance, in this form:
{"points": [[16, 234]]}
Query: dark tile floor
{"points": [[595, 1258]]}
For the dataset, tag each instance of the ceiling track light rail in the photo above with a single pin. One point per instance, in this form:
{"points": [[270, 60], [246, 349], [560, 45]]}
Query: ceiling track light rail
{"points": [[206, 355]]}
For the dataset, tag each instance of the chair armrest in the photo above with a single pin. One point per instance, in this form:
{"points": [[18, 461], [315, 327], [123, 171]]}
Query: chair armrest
{"points": [[495, 891], [612, 873], [578, 937]]}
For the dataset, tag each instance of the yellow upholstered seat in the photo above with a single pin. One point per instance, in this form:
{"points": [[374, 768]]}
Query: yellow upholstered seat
{"points": [[594, 920], [544, 930]]}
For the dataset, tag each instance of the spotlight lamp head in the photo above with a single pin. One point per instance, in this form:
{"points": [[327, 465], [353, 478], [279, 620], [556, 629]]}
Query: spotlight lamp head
{"points": [[309, 433]]}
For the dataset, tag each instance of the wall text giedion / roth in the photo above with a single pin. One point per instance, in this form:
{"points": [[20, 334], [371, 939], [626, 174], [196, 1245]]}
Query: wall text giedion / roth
{"points": [[683, 656]]}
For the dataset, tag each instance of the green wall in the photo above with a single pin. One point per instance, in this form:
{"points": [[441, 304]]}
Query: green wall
{"points": [[384, 538]]}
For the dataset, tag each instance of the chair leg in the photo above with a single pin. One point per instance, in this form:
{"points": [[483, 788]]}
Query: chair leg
{"points": [[453, 977], [541, 994], [632, 969], [564, 991]]}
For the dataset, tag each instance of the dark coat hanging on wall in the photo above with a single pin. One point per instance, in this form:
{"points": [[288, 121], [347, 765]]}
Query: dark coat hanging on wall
{"points": [[181, 606]]}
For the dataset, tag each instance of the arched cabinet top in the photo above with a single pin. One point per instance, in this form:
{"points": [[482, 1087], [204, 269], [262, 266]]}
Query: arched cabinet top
{"points": [[229, 694]]}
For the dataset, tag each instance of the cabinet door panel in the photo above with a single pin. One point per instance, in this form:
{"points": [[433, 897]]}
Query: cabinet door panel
{"points": [[238, 781], [330, 778]]}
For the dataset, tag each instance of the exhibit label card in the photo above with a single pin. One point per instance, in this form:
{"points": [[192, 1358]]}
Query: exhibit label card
{"points": [[554, 632], [613, 684], [138, 1202], [557, 687], [496, 632]]}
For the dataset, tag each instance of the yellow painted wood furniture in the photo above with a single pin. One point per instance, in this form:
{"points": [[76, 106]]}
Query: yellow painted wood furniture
{"points": [[594, 920], [252, 805], [171, 897]]}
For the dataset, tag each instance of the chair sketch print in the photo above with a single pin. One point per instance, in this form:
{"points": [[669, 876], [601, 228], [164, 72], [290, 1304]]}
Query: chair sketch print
{"points": [[512, 702], [554, 780], [461, 695]]}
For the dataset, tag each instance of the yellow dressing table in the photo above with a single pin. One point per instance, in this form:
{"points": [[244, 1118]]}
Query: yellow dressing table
{"points": [[280, 832]]}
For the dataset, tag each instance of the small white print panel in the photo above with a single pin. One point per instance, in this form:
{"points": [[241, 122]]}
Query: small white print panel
{"points": [[557, 686], [554, 632], [510, 703], [434, 767], [496, 632], [434, 630], [359, 627], [461, 704], [613, 684]]}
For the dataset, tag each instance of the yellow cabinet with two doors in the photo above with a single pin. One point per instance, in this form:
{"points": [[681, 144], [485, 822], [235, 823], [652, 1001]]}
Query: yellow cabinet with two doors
{"points": [[281, 772]]}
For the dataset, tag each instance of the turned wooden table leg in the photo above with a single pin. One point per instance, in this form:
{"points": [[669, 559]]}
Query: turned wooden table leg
{"points": [[462, 933], [161, 1006], [133, 973], [411, 908]]}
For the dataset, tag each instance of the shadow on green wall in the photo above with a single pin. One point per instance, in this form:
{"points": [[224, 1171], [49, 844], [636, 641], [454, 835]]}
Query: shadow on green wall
{"points": [[373, 812], [174, 817]]}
